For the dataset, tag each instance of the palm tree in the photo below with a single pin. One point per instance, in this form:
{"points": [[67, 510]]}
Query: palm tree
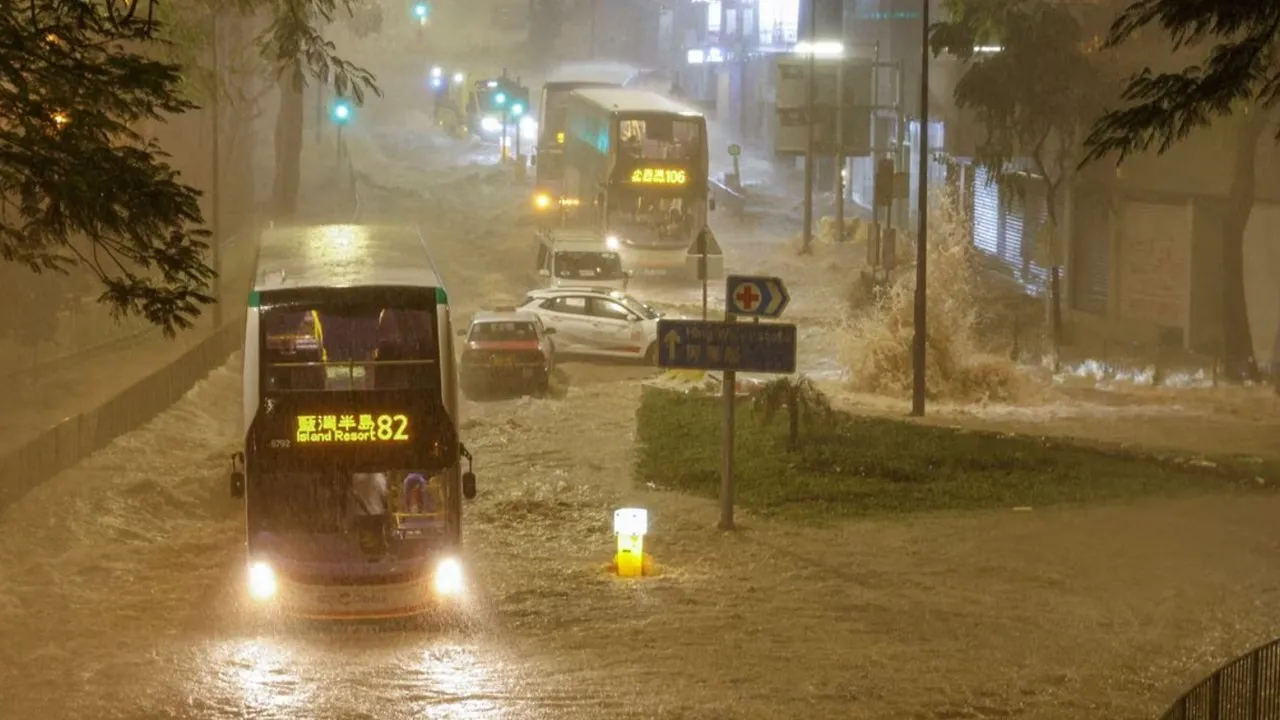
{"points": [[802, 400]]}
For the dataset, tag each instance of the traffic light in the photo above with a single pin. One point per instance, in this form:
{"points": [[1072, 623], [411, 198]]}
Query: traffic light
{"points": [[517, 109], [499, 99], [421, 10], [341, 112]]}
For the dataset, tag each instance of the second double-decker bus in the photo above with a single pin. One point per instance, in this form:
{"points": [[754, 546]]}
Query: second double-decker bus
{"points": [[552, 114], [352, 465], [636, 165]]}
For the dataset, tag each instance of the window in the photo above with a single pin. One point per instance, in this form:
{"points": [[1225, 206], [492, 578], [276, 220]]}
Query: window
{"points": [[588, 265], [499, 331], [661, 137], [334, 347], [571, 305], [609, 309]]}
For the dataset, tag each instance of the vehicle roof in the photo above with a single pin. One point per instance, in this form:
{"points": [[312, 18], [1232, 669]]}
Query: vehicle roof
{"points": [[608, 73], [576, 290], [488, 316], [337, 256], [631, 100]]}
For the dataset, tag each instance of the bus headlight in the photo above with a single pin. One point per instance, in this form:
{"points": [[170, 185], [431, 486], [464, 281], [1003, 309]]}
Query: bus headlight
{"points": [[541, 201], [262, 581], [448, 580]]}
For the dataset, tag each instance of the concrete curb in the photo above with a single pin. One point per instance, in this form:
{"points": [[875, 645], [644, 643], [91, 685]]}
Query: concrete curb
{"points": [[77, 437]]}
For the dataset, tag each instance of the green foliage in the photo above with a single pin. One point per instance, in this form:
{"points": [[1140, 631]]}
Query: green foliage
{"points": [[862, 466], [1162, 108], [83, 189], [293, 45], [1034, 97], [804, 403]]}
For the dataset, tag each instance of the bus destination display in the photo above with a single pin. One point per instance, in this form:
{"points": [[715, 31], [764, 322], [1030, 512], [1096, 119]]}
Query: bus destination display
{"points": [[317, 429], [658, 176]]}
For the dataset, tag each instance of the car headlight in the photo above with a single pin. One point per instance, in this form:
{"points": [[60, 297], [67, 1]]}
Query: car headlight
{"points": [[489, 123], [262, 581], [612, 242], [541, 201], [448, 580]]}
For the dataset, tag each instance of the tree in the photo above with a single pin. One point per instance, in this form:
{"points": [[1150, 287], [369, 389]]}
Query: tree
{"points": [[802, 400], [1035, 98], [294, 48], [82, 188], [1239, 77]]}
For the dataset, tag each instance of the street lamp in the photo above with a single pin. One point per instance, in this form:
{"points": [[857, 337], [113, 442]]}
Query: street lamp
{"points": [[812, 49], [341, 116]]}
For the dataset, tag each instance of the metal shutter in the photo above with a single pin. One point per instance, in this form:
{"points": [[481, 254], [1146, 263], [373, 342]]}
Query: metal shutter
{"points": [[986, 213]]}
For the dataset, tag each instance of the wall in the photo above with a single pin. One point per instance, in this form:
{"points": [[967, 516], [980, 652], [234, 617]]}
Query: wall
{"points": [[77, 437]]}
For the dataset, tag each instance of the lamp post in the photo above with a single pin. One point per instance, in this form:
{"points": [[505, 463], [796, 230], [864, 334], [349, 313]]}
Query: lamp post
{"points": [[922, 201], [810, 99], [216, 200]]}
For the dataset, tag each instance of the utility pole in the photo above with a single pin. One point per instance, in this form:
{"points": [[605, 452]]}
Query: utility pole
{"points": [[922, 277], [216, 200], [810, 100], [840, 149]]}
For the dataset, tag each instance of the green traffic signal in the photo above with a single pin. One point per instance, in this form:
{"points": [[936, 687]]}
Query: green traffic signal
{"points": [[500, 98], [420, 10], [517, 109], [341, 112]]}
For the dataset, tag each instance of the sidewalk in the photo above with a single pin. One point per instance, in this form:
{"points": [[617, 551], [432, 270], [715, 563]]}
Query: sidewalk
{"points": [[90, 380]]}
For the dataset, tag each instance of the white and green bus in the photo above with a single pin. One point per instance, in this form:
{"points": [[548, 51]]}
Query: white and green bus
{"points": [[352, 465]]}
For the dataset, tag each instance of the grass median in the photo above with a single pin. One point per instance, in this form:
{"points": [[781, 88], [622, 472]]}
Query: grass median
{"points": [[855, 466]]}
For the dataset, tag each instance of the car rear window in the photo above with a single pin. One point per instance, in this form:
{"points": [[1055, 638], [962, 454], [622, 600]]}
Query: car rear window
{"points": [[504, 330]]}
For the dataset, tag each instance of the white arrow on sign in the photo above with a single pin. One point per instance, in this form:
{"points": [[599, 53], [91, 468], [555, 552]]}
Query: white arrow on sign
{"points": [[672, 339]]}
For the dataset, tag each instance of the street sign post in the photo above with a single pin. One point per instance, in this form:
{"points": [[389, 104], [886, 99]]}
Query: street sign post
{"points": [[728, 346], [757, 296], [704, 246], [732, 348]]}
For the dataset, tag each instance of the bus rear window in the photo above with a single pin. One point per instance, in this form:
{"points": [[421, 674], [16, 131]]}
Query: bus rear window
{"points": [[343, 348]]}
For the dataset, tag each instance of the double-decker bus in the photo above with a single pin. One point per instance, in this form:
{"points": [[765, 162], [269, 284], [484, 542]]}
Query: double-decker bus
{"points": [[636, 166], [352, 464], [552, 109]]}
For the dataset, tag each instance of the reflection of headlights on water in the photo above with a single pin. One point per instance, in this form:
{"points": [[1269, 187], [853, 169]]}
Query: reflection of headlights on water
{"points": [[262, 581], [612, 242], [490, 124], [448, 580], [528, 127]]}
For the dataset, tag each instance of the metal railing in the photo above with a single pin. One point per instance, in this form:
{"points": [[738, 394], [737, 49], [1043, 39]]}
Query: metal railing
{"points": [[1247, 688]]}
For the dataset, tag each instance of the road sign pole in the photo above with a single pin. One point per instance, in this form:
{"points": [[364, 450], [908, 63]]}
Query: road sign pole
{"points": [[704, 271], [726, 464]]}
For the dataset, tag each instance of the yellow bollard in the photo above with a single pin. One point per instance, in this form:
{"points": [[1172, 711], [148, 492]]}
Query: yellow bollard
{"points": [[630, 526]]}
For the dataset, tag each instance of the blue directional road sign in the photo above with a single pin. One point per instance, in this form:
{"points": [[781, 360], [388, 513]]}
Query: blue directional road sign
{"points": [[716, 345], [755, 296]]}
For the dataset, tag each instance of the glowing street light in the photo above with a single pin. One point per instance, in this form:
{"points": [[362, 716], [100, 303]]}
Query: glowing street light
{"points": [[436, 72]]}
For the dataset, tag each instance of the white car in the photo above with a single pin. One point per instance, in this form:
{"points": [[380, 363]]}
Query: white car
{"points": [[597, 321]]}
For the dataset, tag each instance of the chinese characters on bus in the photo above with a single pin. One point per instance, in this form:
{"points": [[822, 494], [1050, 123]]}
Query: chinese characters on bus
{"points": [[351, 428], [658, 176]]}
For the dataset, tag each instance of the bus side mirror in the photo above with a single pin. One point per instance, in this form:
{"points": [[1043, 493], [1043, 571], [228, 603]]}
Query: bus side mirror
{"points": [[237, 475], [544, 273], [469, 485]]}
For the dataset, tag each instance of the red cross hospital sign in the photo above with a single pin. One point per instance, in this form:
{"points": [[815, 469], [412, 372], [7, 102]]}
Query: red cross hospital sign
{"points": [[755, 296]]}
